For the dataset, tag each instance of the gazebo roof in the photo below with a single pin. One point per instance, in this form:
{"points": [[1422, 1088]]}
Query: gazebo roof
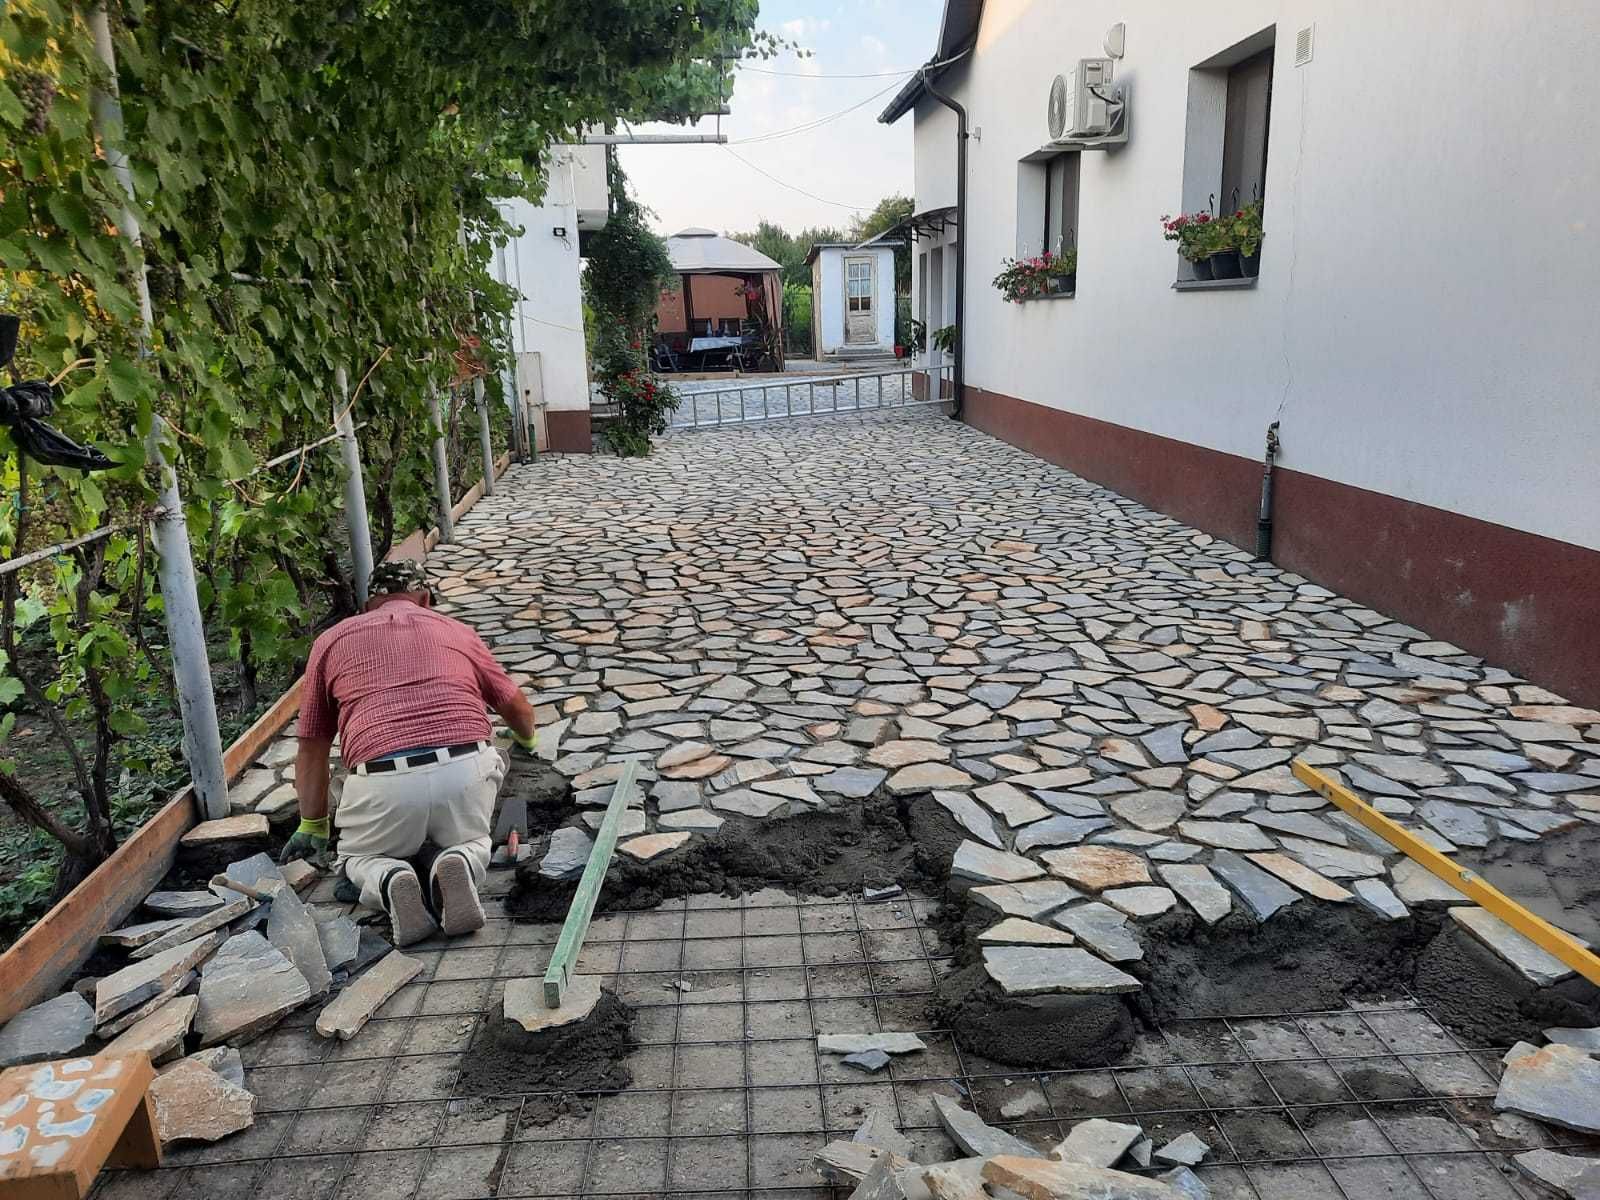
{"points": [[700, 251]]}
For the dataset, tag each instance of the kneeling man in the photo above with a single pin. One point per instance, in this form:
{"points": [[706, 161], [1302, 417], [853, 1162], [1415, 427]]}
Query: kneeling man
{"points": [[405, 688]]}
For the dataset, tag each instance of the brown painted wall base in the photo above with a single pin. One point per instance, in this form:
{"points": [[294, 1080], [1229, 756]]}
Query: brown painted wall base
{"points": [[569, 432], [1518, 600]]}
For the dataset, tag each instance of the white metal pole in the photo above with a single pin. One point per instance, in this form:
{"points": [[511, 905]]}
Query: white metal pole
{"points": [[191, 665], [484, 438], [355, 492], [441, 468]]}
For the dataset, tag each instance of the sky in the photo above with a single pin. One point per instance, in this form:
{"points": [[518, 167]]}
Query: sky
{"points": [[846, 165]]}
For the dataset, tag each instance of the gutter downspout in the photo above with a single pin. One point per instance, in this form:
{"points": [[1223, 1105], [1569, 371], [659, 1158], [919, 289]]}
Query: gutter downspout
{"points": [[959, 372]]}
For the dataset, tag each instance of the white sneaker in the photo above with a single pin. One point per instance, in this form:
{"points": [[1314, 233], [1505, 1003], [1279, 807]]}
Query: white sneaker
{"points": [[407, 912], [460, 910]]}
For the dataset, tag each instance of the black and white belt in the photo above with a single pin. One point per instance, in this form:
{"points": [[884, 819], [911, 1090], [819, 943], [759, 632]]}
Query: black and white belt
{"points": [[419, 758]]}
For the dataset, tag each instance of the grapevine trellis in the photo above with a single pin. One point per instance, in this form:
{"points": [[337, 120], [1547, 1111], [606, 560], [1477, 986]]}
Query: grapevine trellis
{"points": [[217, 218]]}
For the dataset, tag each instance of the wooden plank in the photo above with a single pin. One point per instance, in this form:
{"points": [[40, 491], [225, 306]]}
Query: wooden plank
{"points": [[576, 926], [1530, 925]]}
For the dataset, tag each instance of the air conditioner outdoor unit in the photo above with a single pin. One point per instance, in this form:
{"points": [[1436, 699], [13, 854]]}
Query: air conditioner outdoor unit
{"points": [[1078, 101]]}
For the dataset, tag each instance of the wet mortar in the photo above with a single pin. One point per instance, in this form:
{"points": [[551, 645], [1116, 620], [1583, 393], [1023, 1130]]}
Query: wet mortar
{"points": [[1307, 957]]}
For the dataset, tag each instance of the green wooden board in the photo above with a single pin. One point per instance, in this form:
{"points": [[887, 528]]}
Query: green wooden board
{"points": [[576, 927]]}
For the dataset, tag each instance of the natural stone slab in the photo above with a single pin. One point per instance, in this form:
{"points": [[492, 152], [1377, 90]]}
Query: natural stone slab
{"points": [[968, 814], [679, 755], [1404, 769], [699, 768], [293, 930], [968, 1130], [1587, 1040], [350, 1010], [1535, 964], [1186, 1150], [236, 828], [215, 919], [905, 753], [1263, 894], [195, 1104], [927, 777], [1142, 902], [1059, 831], [118, 1025], [847, 1163], [878, 1129], [746, 803], [159, 1034], [524, 1002], [1226, 835], [1012, 804], [1416, 885], [224, 1060], [1564, 1174], [853, 783], [1199, 889], [246, 989], [1097, 1142], [1103, 929], [630, 823], [974, 860], [1095, 868], [1016, 931], [568, 853], [1377, 897], [1299, 824], [870, 1061], [341, 941], [187, 904], [1558, 1084], [860, 1043], [1036, 1179], [138, 982], [1462, 825], [131, 937], [1033, 899], [1185, 1183], [696, 820], [54, 1029], [1150, 811], [653, 845], [1031, 970], [1300, 876]]}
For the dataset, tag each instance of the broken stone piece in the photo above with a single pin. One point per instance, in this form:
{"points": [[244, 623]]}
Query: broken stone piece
{"points": [[844, 1163], [1587, 1040], [181, 904], [224, 1060], [1186, 1150], [341, 941], [1094, 868], [973, 860], [53, 1029], [195, 1104], [972, 1134], [215, 919], [351, 1009], [1016, 931], [138, 982], [293, 930], [1263, 894], [524, 1002], [299, 874], [131, 937], [858, 1043], [159, 1034], [959, 1180], [118, 1025], [1103, 929], [878, 1129], [246, 989], [1564, 1174], [1046, 1179], [1097, 1142], [1032, 900], [1558, 1084], [870, 1061]]}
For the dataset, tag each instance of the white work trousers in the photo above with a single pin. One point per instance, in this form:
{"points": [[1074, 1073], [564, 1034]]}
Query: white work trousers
{"points": [[384, 819]]}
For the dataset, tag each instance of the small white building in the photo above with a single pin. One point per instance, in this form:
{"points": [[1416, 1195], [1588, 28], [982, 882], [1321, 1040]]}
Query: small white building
{"points": [[1418, 327], [852, 299], [543, 264]]}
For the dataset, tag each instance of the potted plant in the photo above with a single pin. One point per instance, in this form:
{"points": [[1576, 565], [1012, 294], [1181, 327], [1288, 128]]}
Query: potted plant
{"points": [[944, 339], [1196, 240], [1045, 275], [1244, 234]]}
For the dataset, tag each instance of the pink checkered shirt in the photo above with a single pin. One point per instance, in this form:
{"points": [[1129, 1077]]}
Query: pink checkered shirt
{"points": [[401, 677]]}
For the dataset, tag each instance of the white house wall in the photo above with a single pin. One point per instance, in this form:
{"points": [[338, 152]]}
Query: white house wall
{"points": [[1429, 266]]}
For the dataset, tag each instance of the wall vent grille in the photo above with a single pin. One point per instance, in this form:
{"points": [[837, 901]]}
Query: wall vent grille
{"points": [[1304, 43]]}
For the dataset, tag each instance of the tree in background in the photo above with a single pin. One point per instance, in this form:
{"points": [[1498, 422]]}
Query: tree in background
{"points": [[891, 210], [787, 249]]}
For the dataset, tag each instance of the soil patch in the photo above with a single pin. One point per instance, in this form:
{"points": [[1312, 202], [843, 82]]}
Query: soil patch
{"points": [[560, 1070], [878, 842]]}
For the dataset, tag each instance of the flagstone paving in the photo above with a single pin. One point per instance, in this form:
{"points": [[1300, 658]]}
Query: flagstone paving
{"points": [[787, 618]]}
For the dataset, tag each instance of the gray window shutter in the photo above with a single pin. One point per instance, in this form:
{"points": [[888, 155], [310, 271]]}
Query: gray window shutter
{"points": [[1244, 142]]}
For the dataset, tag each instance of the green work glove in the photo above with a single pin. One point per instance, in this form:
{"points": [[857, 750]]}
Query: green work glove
{"points": [[309, 842], [526, 744]]}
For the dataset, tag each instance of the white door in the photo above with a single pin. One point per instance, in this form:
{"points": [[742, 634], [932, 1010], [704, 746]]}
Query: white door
{"points": [[860, 301]]}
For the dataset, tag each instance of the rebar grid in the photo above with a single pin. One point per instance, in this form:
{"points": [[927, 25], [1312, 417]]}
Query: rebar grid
{"points": [[329, 1112]]}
